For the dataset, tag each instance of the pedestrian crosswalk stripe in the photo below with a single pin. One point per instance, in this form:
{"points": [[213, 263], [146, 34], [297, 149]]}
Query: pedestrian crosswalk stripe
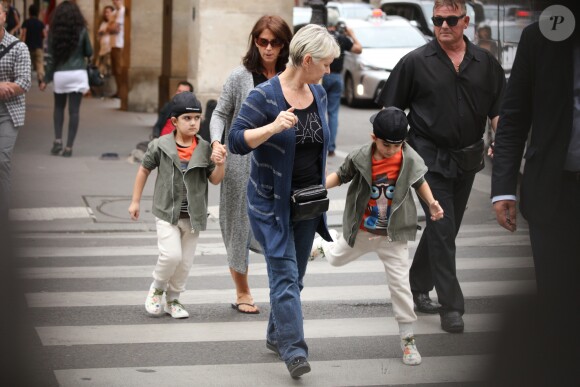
{"points": [[319, 266], [359, 372], [465, 231], [253, 330], [225, 296], [219, 248]]}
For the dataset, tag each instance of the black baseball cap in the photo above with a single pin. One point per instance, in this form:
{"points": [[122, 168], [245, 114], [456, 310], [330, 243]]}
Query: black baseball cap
{"points": [[390, 125], [185, 102]]}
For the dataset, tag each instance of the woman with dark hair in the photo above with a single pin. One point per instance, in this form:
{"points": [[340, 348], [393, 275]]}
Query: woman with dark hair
{"points": [[68, 46], [267, 55]]}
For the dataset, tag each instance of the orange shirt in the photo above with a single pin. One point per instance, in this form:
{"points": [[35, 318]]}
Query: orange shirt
{"points": [[185, 153]]}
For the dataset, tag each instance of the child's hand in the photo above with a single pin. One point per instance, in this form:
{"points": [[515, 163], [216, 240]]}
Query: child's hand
{"points": [[435, 210], [134, 210], [218, 154]]}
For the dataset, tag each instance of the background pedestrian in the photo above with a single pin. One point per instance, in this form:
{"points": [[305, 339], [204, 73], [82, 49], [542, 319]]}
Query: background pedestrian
{"points": [[14, 83], [333, 83], [33, 33], [69, 47]]}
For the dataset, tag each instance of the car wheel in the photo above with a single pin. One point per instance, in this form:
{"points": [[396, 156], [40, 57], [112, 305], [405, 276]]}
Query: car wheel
{"points": [[349, 92]]}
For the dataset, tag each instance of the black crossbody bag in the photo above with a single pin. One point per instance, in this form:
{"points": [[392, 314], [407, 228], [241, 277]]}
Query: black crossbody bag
{"points": [[309, 203]]}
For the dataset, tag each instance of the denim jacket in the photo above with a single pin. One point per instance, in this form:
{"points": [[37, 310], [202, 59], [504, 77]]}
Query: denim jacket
{"points": [[167, 195], [357, 169]]}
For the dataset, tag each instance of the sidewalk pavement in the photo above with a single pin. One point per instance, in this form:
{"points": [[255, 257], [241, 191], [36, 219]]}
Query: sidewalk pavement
{"points": [[85, 193]]}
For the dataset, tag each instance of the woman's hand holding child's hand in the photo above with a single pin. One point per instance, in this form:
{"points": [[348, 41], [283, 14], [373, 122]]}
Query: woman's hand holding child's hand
{"points": [[218, 154]]}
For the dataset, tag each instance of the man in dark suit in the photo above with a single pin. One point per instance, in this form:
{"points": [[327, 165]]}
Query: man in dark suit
{"points": [[543, 92]]}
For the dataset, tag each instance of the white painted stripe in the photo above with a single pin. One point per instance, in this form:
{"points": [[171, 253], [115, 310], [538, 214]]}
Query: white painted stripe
{"points": [[360, 372], [258, 269], [218, 248], [109, 236], [49, 213], [465, 231], [252, 330], [225, 296]]}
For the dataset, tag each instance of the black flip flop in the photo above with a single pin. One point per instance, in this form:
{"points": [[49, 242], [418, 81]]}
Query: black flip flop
{"points": [[237, 307]]}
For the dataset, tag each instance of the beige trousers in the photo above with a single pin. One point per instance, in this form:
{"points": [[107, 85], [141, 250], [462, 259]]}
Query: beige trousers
{"points": [[176, 251], [395, 258]]}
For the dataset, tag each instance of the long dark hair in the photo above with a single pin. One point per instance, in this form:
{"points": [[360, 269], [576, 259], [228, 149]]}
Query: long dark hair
{"points": [[252, 60], [66, 27]]}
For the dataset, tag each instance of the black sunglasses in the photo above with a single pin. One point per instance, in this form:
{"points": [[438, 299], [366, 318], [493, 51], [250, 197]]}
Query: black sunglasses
{"points": [[451, 20], [274, 42]]}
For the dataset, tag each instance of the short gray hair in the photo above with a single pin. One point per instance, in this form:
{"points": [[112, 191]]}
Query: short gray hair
{"points": [[455, 4], [314, 40]]}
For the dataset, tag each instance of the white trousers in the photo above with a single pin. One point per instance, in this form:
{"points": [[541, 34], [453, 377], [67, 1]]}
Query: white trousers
{"points": [[395, 258], [176, 251]]}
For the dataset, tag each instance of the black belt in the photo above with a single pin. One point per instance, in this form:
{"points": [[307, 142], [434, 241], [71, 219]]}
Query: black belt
{"points": [[571, 176], [183, 215]]}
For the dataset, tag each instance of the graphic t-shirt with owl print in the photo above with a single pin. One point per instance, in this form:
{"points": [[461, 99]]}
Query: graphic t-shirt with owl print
{"points": [[385, 173]]}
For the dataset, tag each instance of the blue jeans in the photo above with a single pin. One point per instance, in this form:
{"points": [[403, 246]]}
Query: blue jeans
{"points": [[285, 274], [8, 134], [332, 83]]}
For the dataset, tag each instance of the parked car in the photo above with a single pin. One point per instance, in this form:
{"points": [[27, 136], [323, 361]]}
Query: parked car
{"points": [[505, 12], [419, 12], [346, 11], [384, 42]]}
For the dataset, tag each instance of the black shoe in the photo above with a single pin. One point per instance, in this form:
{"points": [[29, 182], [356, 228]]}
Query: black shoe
{"points": [[67, 152], [424, 304], [451, 321], [298, 367], [272, 347], [56, 148]]}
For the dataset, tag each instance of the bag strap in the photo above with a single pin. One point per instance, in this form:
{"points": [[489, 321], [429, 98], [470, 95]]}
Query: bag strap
{"points": [[8, 48]]}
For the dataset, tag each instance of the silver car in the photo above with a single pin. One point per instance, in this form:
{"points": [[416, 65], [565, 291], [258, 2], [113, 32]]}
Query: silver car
{"points": [[384, 42]]}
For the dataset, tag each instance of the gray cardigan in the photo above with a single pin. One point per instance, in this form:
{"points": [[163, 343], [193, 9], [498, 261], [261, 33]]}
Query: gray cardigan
{"points": [[235, 90], [233, 211]]}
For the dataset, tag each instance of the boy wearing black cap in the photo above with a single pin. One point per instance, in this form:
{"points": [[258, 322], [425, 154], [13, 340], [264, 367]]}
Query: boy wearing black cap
{"points": [[186, 162], [380, 214]]}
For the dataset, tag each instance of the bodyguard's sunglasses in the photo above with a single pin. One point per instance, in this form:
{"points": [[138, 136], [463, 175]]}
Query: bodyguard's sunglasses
{"points": [[275, 43], [451, 20]]}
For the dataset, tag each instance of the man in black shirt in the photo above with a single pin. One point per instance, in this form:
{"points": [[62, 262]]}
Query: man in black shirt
{"points": [[451, 87], [332, 82], [33, 34]]}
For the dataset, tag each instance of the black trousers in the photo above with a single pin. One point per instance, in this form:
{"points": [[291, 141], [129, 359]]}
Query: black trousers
{"points": [[556, 250], [434, 261], [74, 106], [545, 330]]}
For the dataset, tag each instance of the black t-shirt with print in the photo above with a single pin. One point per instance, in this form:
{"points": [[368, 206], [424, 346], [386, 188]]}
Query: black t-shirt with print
{"points": [[307, 169]]}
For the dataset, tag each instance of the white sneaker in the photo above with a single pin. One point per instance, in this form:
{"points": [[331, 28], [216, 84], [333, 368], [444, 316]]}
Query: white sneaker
{"points": [[153, 301], [176, 309], [334, 234], [317, 250], [411, 355]]}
